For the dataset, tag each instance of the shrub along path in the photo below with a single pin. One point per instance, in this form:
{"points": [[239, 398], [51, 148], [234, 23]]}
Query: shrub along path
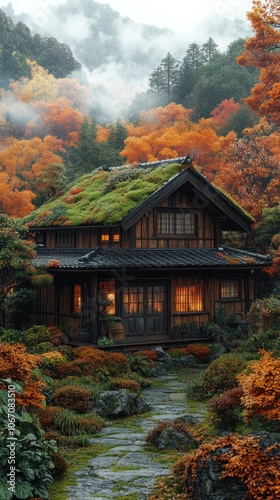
{"points": [[128, 467]]}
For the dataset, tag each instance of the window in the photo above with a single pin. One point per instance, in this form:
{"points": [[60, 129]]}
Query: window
{"points": [[107, 297], [77, 298], [110, 237], [105, 237], [229, 289], [65, 238], [189, 298], [176, 222]]}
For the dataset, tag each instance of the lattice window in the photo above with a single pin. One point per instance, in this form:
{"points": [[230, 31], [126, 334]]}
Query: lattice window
{"points": [[176, 223], [230, 289], [189, 298]]}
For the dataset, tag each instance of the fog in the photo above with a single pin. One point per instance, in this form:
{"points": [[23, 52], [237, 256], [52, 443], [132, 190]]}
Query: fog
{"points": [[117, 53]]}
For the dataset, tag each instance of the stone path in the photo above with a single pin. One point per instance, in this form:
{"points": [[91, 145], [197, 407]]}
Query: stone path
{"points": [[129, 469]]}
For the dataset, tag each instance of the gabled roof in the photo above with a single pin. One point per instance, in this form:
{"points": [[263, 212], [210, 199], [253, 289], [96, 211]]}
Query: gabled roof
{"points": [[123, 195], [205, 194], [163, 258]]}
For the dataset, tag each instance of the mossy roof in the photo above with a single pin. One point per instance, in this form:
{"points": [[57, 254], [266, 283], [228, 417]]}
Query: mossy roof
{"points": [[106, 197]]}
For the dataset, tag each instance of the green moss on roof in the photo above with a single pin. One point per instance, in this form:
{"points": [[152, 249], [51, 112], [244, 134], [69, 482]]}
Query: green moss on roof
{"points": [[88, 201], [107, 197], [234, 202]]}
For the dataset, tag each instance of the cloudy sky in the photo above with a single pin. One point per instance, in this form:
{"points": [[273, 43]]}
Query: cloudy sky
{"points": [[175, 15], [115, 83]]}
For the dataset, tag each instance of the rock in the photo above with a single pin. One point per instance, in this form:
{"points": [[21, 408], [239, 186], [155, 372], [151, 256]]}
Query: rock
{"points": [[187, 419], [207, 483], [158, 369], [171, 439], [185, 361], [164, 357], [120, 404]]}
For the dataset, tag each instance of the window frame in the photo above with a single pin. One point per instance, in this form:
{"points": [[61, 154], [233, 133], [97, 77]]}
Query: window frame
{"points": [[112, 233], [112, 291], [187, 310], [230, 281], [75, 299], [174, 212]]}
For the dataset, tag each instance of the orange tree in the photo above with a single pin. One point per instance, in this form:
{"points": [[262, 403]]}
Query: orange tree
{"points": [[261, 388], [18, 365], [262, 51]]}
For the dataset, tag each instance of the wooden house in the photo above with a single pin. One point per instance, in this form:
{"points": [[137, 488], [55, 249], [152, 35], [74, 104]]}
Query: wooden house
{"points": [[141, 248]]}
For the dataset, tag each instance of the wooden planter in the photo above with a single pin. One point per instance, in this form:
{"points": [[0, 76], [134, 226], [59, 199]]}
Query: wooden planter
{"points": [[116, 332]]}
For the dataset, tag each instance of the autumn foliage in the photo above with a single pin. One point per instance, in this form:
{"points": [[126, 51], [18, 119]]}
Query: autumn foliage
{"points": [[239, 457], [262, 51], [261, 388], [17, 364]]}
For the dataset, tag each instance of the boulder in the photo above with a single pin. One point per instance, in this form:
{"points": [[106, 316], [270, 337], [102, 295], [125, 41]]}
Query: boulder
{"points": [[158, 369], [207, 483], [171, 439], [120, 404], [164, 357]]}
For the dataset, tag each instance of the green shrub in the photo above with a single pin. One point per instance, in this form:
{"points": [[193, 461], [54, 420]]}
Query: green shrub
{"points": [[139, 365], [13, 336], [221, 373], [268, 340], [36, 335], [33, 454], [265, 314], [75, 397]]}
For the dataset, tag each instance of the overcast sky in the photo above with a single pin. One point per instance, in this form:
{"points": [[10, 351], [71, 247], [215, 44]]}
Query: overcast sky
{"points": [[115, 83], [174, 14]]}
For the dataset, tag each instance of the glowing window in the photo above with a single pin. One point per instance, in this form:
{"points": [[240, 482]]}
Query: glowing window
{"points": [[230, 289], [105, 237], [107, 297], [77, 298], [116, 238], [189, 298]]}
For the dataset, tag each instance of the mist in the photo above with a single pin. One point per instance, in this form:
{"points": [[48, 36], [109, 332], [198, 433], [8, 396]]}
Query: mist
{"points": [[118, 55]]}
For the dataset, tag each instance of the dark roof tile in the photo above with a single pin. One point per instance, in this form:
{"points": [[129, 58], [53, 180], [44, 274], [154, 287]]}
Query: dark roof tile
{"points": [[164, 258]]}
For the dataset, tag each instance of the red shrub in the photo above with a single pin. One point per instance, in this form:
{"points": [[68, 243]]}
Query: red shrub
{"points": [[148, 354], [116, 363], [92, 355], [89, 425], [124, 383], [75, 397], [224, 407], [48, 415], [57, 336], [200, 352]]}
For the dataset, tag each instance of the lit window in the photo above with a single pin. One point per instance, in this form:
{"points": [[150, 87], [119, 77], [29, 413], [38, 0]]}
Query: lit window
{"points": [[116, 238], [105, 237], [230, 289], [77, 298], [173, 222], [107, 296], [189, 298]]}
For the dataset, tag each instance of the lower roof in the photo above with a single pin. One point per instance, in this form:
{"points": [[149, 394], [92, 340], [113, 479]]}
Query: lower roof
{"points": [[164, 258]]}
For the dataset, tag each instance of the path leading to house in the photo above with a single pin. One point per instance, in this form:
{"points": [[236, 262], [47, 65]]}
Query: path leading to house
{"points": [[128, 470]]}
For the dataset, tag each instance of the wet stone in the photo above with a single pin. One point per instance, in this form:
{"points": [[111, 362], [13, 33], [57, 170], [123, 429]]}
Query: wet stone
{"points": [[130, 466]]}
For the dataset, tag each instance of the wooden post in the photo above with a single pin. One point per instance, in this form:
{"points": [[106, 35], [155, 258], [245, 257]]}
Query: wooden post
{"points": [[93, 309]]}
